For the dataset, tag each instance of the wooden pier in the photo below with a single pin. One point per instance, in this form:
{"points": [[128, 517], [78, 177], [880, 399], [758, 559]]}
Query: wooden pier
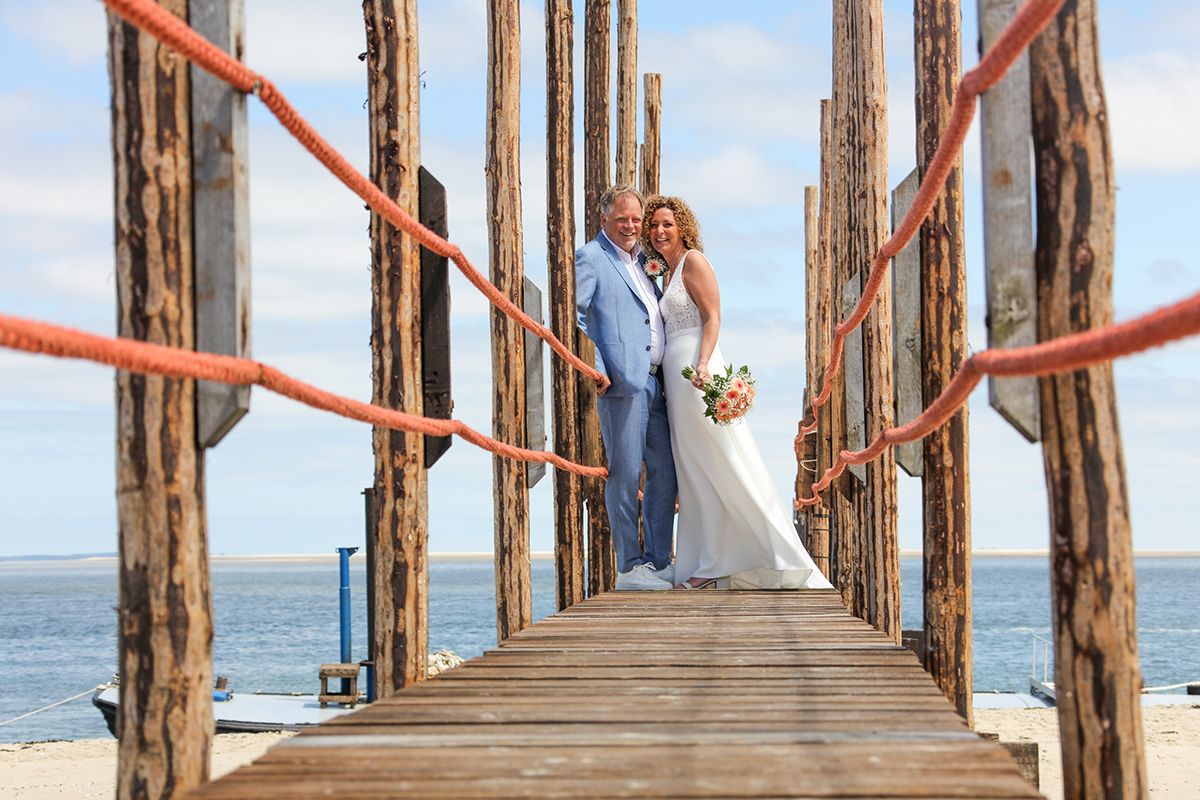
{"points": [[654, 694]]}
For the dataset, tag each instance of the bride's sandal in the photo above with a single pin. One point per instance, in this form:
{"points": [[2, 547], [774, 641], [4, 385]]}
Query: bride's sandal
{"points": [[706, 583]]}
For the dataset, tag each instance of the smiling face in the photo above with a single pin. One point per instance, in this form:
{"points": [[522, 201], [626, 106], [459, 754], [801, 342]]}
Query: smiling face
{"points": [[664, 232], [623, 222]]}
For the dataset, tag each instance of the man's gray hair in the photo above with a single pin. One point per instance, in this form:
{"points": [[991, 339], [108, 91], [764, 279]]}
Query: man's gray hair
{"points": [[609, 198]]}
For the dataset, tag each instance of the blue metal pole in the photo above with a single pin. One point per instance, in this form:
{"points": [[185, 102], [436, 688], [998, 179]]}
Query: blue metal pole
{"points": [[344, 554]]}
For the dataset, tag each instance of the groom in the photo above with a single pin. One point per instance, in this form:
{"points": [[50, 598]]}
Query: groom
{"points": [[618, 310]]}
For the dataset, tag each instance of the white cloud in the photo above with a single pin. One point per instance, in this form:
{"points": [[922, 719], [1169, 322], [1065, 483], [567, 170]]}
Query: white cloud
{"points": [[69, 29], [1154, 102]]}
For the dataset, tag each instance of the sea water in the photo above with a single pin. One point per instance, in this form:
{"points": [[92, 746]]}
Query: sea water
{"points": [[275, 622]]}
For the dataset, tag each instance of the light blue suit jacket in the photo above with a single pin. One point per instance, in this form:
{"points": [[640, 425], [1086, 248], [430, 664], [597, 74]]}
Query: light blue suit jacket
{"points": [[611, 314]]}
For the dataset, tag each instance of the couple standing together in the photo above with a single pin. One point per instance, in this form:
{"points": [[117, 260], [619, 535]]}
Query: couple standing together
{"points": [[732, 524]]}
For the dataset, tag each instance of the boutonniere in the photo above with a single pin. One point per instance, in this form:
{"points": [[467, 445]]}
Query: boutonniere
{"points": [[654, 266]]}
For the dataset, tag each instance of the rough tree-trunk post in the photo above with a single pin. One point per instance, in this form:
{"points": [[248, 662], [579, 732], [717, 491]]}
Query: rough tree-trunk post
{"points": [[880, 567], [806, 449], [627, 149], [570, 584], [602, 569], [164, 634], [946, 481], [651, 133], [1096, 670], [821, 519], [401, 504], [842, 555], [511, 494]]}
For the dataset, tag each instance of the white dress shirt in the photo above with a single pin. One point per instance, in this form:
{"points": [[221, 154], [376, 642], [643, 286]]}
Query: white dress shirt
{"points": [[641, 280]]}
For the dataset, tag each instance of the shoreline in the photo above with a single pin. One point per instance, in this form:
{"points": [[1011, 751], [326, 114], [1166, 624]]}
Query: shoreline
{"points": [[10, 562]]}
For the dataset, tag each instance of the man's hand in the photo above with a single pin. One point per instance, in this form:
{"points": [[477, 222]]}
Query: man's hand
{"points": [[603, 385]]}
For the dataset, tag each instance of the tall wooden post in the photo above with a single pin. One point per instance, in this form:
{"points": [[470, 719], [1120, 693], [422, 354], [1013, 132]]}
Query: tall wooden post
{"points": [[651, 133], [570, 586], [511, 494], [401, 489], [602, 569], [821, 517], [813, 289], [842, 553], [1096, 669], [627, 150], [164, 636], [946, 481]]}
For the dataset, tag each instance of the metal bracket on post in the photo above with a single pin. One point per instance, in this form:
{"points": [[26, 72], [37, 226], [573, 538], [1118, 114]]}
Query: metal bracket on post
{"points": [[435, 316], [906, 328], [220, 219], [856, 421]]}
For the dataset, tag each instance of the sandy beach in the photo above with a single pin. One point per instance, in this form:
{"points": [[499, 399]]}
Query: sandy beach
{"points": [[87, 768]]}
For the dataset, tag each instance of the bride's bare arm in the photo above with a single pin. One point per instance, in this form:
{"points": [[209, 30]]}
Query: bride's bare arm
{"points": [[701, 283]]}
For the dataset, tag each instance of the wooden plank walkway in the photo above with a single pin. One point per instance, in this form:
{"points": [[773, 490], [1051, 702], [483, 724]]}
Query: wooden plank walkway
{"points": [[656, 694]]}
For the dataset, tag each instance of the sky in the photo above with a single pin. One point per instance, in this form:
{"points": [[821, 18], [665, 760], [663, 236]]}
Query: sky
{"points": [[741, 85]]}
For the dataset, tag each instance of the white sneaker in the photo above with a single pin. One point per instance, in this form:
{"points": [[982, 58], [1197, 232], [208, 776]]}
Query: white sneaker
{"points": [[667, 573], [641, 577]]}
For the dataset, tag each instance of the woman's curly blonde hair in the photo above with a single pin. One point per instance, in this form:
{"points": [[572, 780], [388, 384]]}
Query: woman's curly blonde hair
{"points": [[689, 228]]}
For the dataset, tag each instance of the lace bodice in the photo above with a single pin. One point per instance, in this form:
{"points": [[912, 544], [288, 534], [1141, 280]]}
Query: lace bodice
{"points": [[678, 310]]}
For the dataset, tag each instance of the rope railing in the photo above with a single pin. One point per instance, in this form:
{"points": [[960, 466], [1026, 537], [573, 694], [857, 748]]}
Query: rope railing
{"points": [[1028, 22], [152, 359], [1063, 354], [164, 26]]}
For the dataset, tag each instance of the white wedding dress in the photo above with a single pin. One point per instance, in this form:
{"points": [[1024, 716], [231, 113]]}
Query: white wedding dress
{"points": [[731, 521]]}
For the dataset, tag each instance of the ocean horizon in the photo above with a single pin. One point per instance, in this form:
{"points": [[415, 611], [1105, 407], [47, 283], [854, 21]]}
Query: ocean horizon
{"points": [[276, 620]]}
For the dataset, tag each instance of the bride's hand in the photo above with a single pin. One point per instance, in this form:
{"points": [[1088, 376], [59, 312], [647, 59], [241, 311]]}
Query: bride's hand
{"points": [[700, 376]]}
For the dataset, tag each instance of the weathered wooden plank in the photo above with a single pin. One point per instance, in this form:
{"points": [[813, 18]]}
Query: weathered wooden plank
{"points": [[1008, 222], [400, 494], [435, 315], [864, 720], [856, 426], [510, 492], [535, 384], [164, 633], [220, 218], [651, 133], [627, 52], [1096, 671], [906, 313], [569, 560]]}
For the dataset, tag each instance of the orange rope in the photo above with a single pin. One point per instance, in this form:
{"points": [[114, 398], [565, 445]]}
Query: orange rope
{"points": [[1029, 21], [1060, 355], [154, 359], [175, 33]]}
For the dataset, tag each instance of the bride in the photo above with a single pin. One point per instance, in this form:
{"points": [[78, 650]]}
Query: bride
{"points": [[731, 521]]}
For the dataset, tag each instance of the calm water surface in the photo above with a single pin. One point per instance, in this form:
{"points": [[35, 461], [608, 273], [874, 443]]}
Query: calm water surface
{"points": [[275, 622]]}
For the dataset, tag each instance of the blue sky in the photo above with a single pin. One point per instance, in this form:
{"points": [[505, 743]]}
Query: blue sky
{"points": [[741, 84]]}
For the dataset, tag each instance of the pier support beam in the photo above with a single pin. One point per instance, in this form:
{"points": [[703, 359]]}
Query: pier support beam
{"points": [[570, 584], [946, 487], [164, 637], [400, 497], [1096, 672], [597, 125], [514, 599]]}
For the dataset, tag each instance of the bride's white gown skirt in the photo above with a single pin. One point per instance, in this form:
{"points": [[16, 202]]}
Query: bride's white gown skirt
{"points": [[731, 520]]}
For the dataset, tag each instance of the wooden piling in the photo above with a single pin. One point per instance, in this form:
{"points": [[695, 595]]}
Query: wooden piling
{"points": [[651, 133], [841, 555], [820, 520], [400, 496], [597, 124], [164, 635], [510, 492], [946, 480], [813, 289], [569, 563], [1096, 672], [627, 149]]}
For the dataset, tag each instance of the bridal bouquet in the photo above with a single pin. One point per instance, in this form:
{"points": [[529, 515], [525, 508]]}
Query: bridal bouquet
{"points": [[728, 397]]}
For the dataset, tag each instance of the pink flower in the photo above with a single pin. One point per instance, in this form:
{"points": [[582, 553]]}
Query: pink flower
{"points": [[739, 384], [733, 394], [723, 406]]}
